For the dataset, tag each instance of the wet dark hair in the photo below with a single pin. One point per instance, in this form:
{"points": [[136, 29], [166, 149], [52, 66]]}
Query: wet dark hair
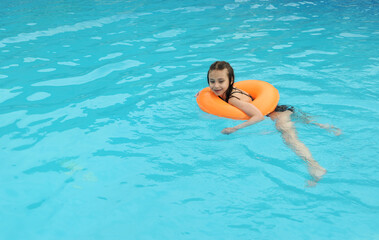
{"points": [[221, 65]]}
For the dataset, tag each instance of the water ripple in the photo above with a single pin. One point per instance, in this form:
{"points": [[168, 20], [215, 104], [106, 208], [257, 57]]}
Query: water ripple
{"points": [[24, 37], [271, 7], [231, 6], [33, 59], [9, 118], [110, 56], [68, 63], [47, 70], [9, 66], [169, 82], [6, 94], [310, 52], [134, 79], [314, 30], [95, 74], [170, 33], [166, 49], [38, 96], [353, 35], [185, 9], [291, 18], [34, 122]]}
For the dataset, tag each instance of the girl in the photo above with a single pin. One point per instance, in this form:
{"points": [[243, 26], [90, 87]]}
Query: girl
{"points": [[221, 79]]}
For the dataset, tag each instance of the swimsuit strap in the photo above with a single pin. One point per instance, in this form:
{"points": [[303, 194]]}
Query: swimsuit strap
{"points": [[236, 90]]}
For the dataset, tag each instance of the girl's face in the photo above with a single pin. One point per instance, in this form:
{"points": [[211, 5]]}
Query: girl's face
{"points": [[219, 81]]}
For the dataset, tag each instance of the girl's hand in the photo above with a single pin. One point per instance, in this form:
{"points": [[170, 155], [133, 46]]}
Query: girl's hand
{"points": [[229, 130]]}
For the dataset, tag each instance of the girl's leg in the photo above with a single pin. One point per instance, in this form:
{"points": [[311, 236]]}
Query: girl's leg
{"points": [[330, 128], [303, 117], [286, 127]]}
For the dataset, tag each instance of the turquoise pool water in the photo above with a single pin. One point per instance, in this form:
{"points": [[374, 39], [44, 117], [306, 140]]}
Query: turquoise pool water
{"points": [[101, 137]]}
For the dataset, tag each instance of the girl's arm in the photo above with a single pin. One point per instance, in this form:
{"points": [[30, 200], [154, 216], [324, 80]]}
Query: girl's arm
{"points": [[250, 110]]}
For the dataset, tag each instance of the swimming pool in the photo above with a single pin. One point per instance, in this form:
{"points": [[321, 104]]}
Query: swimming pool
{"points": [[101, 137]]}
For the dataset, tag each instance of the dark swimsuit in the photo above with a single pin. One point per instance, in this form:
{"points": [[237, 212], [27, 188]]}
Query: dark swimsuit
{"points": [[279, 108]]}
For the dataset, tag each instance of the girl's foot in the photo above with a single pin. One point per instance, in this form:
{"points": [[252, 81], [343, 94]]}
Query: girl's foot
{"points": [[316, 171], [334, 130]]}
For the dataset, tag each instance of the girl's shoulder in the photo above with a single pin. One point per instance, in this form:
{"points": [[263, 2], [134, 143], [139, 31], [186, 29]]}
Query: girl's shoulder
{"points": [[240, 95]]}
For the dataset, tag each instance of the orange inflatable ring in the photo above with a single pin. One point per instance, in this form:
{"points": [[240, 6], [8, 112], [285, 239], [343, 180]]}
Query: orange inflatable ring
{"points": [[266, 98]]}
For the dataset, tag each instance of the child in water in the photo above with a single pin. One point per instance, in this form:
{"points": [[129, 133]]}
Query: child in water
{"points": [[221, 80]]}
